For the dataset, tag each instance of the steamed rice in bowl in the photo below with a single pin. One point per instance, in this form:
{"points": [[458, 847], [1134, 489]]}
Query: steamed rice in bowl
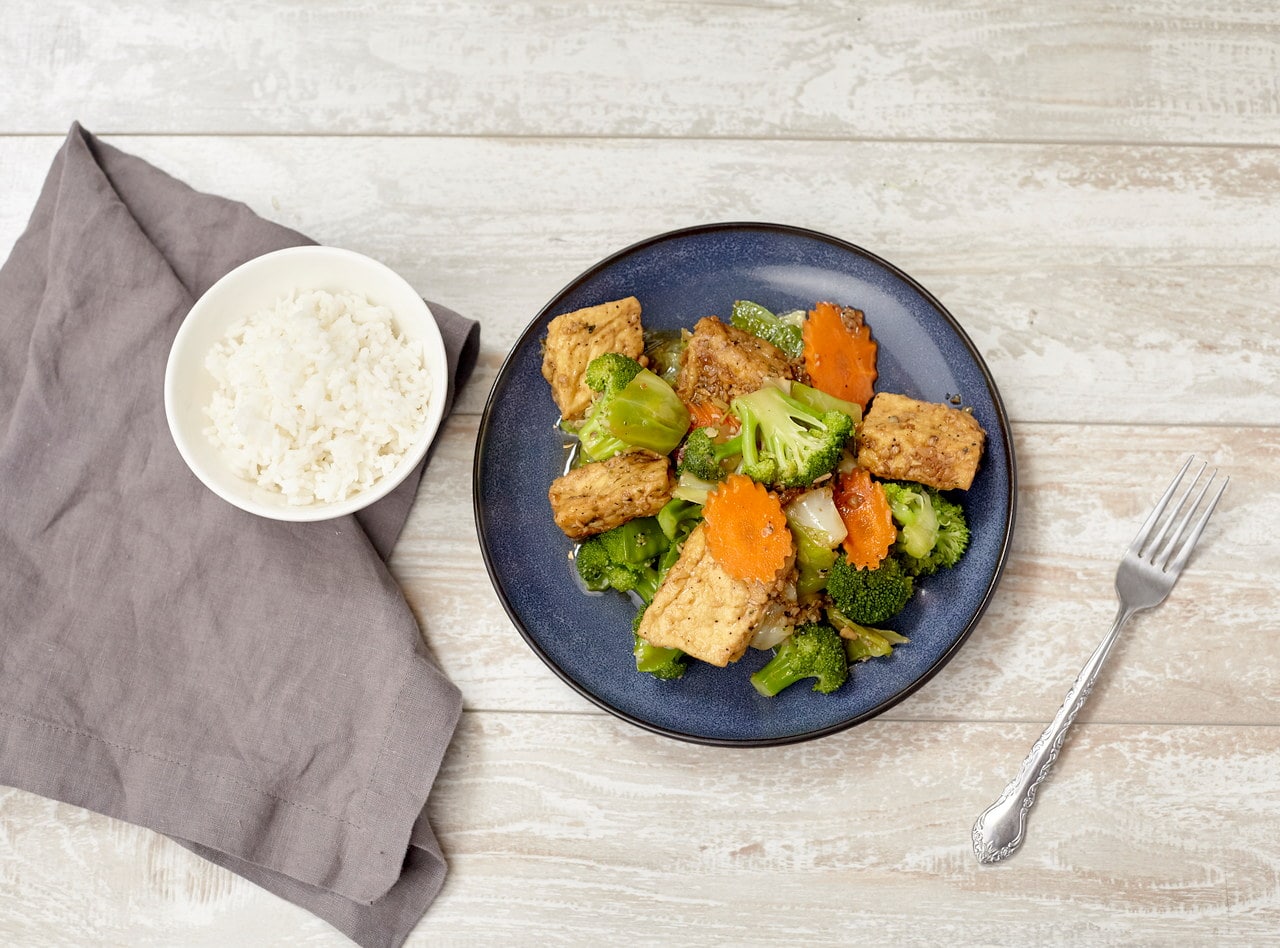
{"points": [[318, 397]]}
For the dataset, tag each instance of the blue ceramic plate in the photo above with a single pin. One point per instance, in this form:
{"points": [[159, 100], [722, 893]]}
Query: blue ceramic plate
{"points": [[680, 277]]}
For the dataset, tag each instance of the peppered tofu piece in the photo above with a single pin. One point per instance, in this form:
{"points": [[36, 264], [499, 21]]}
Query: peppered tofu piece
{"points": [[604, 494], [574, 339], [721, 362], [908, 440], [702, 610]]}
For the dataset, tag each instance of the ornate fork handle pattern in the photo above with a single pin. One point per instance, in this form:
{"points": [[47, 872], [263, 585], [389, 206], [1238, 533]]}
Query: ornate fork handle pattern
{"points": [[1000, 828], [1147, 572]]}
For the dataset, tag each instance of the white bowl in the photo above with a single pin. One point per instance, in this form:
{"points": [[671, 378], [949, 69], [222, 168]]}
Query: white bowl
{"points": [[257, 285]]}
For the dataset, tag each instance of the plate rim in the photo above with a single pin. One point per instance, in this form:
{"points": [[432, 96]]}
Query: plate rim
{"points": [[1010, 502]]}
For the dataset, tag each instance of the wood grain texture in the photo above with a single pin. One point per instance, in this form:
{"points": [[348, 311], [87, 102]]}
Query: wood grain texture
{"points": [[1092, 188], [577, 829], [1152, 71], [1076, 270], [1083, 492]]}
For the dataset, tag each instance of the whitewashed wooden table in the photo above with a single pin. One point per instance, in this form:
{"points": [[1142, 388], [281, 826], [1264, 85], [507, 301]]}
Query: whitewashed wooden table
{"points": [[1092, 188]]}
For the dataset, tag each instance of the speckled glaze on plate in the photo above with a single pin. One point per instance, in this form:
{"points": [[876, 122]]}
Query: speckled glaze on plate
{"points": [[680, 277]]}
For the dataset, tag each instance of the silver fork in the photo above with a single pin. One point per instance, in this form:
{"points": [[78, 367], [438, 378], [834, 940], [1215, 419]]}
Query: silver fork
{"points": [[1147, 572]]}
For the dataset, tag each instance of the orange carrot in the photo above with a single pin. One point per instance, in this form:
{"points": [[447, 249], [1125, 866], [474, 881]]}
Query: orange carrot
{"points": [[746, 529], [865, 511], [839, 353], [712, 414]]}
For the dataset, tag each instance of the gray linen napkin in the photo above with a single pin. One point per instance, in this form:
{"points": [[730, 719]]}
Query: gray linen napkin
{"points": [[256, 690]]}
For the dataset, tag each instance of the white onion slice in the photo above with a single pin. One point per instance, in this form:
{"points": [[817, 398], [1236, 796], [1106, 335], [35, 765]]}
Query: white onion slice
{"points": [[815, 510]]}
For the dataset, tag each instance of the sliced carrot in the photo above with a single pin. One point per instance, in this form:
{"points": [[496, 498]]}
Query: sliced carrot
{"points": [[747, 531], [712, 414], [865, 511], [839, 353]]}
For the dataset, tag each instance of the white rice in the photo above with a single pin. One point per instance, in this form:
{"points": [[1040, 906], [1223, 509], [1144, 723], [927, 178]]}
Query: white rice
{"points": [[318, 397]]}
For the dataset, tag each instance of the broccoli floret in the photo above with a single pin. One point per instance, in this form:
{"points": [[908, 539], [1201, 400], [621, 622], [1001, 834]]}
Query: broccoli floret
{"points": [[914, 512], [811, 651], [869, 596], [953, 532], [610, 373], [664, 663], [635, 556], [623, 559], [786, 442], [950, 530], [862, 642], [634, 409], [755, 319], [636, 542], [703, 457], [592, 562]]}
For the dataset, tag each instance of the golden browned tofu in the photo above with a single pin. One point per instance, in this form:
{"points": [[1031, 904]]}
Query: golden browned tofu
{"points": [[722, 362], [908, 440], [574, 339], [702, 610], [604, 494]]}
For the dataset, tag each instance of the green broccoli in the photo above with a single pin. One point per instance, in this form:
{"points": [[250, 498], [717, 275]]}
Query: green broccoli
{"points": [[786, 442], [953, 532], [664, 663], [861, 642], [624, 558], [611, 372], [755, 319], [916, 516], [593, 564], [934, 533], [600, 572], [636, 542], [693, 489], [819, 400], [678, 518], [634, 409], [813, 561], [704, 458], [811, 651], [869, 596]]}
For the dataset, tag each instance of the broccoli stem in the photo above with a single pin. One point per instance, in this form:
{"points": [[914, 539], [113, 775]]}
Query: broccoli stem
{"points": [[811, 651], [755, 319], [657, 661], [779, 674]]}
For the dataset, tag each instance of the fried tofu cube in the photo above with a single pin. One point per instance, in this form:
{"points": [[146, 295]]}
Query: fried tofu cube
{"points": [[703, 610], [605, 494], [721, 362], [574, 339], [909, 440]]}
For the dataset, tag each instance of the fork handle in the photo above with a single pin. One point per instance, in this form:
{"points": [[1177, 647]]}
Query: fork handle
{"points": [[1001, 827]]}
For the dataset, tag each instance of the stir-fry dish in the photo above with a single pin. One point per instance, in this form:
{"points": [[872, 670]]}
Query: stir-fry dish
{"points": [[747, 486]]}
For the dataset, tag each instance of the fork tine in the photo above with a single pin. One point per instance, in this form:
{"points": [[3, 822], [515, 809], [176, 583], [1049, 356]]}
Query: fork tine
{"points": [[1156, 541], [1180, 560], [1160, 552], [1136, 546]]}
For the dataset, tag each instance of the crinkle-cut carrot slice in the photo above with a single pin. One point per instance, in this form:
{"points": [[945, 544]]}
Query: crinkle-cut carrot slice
{"points": [[839, 353], [865, 511], [747, 531]]}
